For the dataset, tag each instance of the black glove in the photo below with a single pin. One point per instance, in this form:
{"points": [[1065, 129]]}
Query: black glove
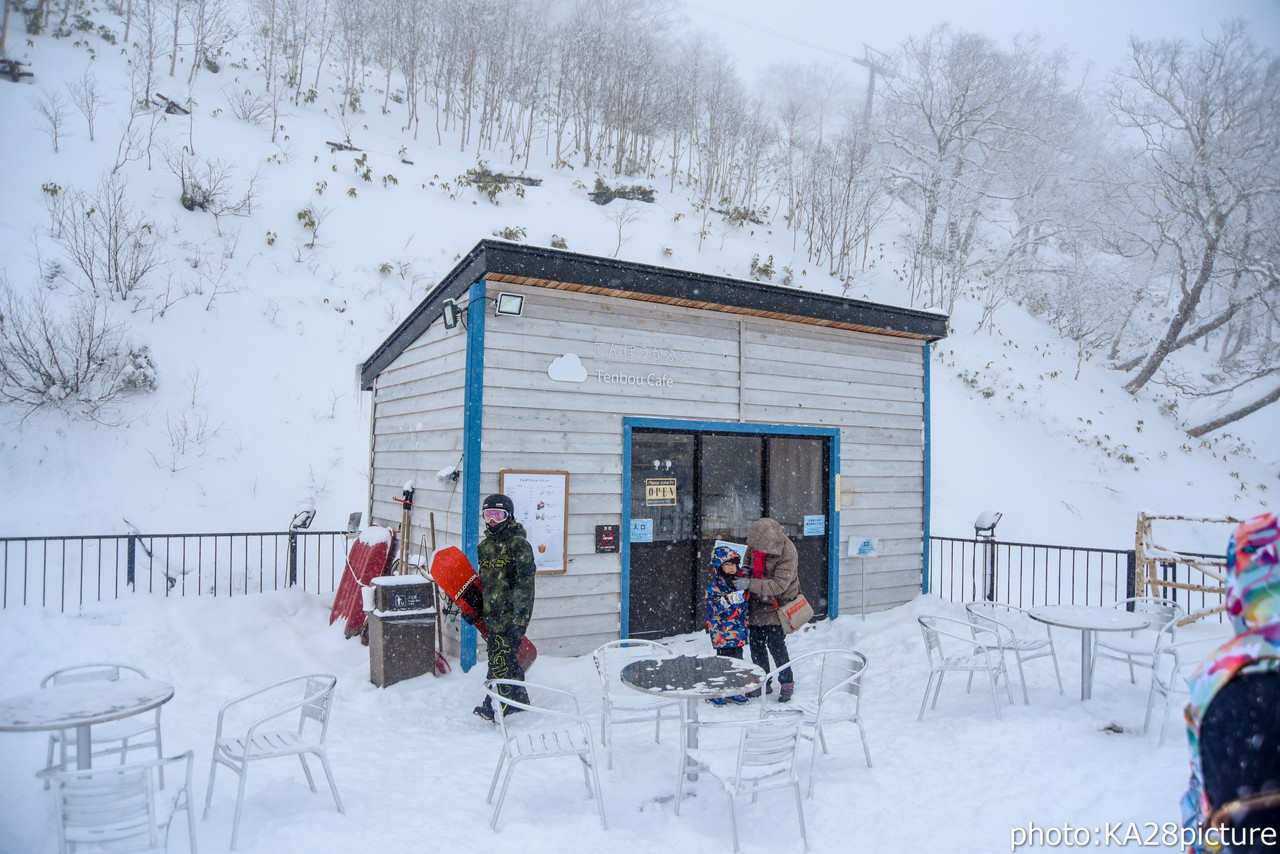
{"points": [[741, 583]]}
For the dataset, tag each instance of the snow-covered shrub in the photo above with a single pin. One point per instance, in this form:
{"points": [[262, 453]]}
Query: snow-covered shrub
{"points": [[74, 359]]}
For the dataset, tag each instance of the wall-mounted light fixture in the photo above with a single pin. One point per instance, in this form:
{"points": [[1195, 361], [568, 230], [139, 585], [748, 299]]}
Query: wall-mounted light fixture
{"points": [[451, 313], [511, 304]]}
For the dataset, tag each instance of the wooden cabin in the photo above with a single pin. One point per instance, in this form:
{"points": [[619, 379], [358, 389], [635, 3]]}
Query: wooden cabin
{"points": [[638, 414]]}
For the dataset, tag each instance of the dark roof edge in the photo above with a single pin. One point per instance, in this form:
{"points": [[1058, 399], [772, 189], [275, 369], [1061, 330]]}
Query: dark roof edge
{"points": [[535, 262]]}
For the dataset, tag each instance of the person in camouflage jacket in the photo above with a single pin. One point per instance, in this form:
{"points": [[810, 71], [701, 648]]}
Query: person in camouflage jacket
{"points": [[506, 581]]}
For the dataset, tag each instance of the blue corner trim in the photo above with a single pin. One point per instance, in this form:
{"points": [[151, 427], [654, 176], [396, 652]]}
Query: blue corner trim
{"points": [[926, 350], [472, 427], [624, 620], [833, 532]]}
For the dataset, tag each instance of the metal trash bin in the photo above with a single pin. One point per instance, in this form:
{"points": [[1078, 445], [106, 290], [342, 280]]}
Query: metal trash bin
{"points": [[402, 629]]}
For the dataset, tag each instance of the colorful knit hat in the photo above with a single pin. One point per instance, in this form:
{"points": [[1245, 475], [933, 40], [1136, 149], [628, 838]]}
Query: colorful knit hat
{"points": [[1253, 573], [724, 554]]}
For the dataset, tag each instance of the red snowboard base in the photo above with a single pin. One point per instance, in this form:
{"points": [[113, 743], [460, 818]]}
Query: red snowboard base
{"points": [[367, 560], [457, 579]]}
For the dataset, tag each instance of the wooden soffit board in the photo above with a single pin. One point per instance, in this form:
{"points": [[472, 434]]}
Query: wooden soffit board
{"points": [[680, 302]]}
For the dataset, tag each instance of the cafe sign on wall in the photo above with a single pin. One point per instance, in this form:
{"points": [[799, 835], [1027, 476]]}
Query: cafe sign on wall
{"points": [[660, 492]]}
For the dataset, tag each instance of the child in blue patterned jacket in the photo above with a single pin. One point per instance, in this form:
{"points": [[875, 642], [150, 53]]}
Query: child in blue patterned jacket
{"points": [[725, 603]]}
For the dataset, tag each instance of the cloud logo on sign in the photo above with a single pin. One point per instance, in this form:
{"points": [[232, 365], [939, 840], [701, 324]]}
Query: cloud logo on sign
{"points": [[567, 369]]}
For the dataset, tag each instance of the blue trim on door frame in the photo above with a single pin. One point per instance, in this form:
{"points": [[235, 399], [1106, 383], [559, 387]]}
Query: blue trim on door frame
{"points": [[833, 499], [472, 428], [928, 473]]}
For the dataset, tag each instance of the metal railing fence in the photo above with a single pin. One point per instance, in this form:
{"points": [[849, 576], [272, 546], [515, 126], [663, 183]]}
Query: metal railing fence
{"points": [[68, 572], [1031, 574]]}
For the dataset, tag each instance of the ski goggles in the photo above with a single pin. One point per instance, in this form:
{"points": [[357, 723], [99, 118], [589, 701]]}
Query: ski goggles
{"points": [[494, 515]]}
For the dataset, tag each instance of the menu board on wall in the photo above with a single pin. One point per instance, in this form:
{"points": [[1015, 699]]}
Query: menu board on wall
{"points": [[541, 500]]}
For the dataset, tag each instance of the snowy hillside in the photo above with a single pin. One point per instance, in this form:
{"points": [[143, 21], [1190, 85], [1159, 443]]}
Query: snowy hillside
{"points": [[255, 323]]}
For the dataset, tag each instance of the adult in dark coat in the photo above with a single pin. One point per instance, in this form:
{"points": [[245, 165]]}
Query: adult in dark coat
{"points": [[775, 577]]}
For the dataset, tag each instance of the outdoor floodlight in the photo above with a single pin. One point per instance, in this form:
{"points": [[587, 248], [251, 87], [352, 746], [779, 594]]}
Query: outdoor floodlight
{"points": [[302, 519], [450, 314], [447, 474], [985, 526], [512, 304]]}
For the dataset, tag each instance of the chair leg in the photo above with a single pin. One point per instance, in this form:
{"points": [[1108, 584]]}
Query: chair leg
{"points": [[502, 795], [995, 697], [813, 764], [804, 836], [925, 701], [302, 757], [208, 791], [328, 774], [235, 822], [1022, 677], [497, 772], [598, 793], [733, 822]]}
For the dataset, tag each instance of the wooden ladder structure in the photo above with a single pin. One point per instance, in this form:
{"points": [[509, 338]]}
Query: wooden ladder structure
{"points": [[1150, 555]]}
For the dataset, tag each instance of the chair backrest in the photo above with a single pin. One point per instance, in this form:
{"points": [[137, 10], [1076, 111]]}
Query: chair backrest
{"points": [[1161, 611], [106, 672], [119, 807], [932, 642], [838, 670], [612, 656], [547, 706], [767, 750], [317, 702]]}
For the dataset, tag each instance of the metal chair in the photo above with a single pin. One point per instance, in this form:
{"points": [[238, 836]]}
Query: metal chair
{"points": [[131, 733], [1173, 664], [982, 654], [830, 692], [622, 705], [549, 726], [271, 733], [1138, 648], [765, 759], [120, 807], [1014, 629]]}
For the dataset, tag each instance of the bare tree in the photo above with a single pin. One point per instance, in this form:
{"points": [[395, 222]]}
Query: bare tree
{"points": [[1205, 189], [87, 97], [112, 244], [52, 107]]}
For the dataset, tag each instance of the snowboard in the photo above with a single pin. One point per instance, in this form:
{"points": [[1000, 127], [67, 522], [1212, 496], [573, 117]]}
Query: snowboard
{"points": [[366, 560], [456, 577]]}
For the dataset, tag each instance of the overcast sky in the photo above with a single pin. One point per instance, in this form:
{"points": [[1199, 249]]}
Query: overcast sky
{"points": [[755, 32]]}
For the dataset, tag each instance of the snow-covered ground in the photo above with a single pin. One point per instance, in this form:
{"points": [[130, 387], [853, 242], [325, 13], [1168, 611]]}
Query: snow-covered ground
{"points": [[257, 415], [413, 764]]}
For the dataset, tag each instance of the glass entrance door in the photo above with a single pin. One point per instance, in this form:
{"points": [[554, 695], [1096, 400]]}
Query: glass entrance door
{"points": [[689, 489]]}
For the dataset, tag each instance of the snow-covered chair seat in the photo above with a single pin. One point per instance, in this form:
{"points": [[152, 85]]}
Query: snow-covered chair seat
{"points": [[120, 736], [120, 808], [1019, 635], [764, 760], [622, 705], [549, 726], [272, 734], [980, 652]]}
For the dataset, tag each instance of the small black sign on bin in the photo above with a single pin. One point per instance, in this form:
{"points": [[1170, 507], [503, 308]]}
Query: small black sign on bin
{"points": [[608, 538]]}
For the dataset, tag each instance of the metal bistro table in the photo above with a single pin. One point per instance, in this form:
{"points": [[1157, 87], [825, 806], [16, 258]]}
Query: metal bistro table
{"points": [[692, 678], [80, 705], [1088, 619]]}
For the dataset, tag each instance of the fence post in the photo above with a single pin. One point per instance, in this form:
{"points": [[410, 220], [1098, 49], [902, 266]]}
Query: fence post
{"points": [[293, 557], [131, 562], [1131, 574]]}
